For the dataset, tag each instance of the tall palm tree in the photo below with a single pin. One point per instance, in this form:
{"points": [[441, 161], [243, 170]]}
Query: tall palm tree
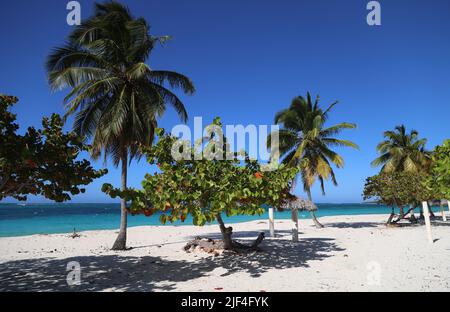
{"points": [[306, 142], [402, 151], [115, 96]]}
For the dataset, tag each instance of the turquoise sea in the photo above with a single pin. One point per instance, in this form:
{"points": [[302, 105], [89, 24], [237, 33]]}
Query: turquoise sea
{"points": [[28, 219]]}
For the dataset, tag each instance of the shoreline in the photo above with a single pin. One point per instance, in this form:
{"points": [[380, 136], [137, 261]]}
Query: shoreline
{"points": [[352, 253], [65, 218], [308, 218]]}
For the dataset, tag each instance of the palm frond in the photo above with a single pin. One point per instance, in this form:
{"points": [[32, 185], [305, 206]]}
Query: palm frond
{"points": [[115, 96], [174, 79]]}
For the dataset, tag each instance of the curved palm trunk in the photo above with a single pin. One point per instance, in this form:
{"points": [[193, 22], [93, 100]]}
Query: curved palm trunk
{"points": [[313, 215], [121, 240]]}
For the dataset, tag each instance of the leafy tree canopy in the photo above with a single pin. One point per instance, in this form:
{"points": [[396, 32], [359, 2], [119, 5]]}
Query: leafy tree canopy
{"points": [[205, 188], [396, 189], [439, 181], [206, 183], [42, 161]]}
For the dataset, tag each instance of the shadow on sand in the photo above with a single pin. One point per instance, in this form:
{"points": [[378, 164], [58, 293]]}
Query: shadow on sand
{"points": [[435, 221], [353, 225], [147, 273]]}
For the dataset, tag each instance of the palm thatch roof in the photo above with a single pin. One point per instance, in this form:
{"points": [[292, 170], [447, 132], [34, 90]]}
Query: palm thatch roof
{"points": [[298, 203]]}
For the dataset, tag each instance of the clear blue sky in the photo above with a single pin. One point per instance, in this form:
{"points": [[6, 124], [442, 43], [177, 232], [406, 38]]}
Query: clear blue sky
{"points": [[249, 58]]}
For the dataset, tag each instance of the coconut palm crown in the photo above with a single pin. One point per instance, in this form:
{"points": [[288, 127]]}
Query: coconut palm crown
{"points": [[115, 95], [305, 141], [402, 152]]}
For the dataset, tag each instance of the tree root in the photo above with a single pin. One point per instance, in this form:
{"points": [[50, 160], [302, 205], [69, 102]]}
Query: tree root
{"points": [[399, 217]]}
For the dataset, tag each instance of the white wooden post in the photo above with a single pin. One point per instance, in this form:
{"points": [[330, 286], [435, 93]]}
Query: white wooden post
{"points": [[294, 225], [444, 217], [426, 214], [271, 223]]}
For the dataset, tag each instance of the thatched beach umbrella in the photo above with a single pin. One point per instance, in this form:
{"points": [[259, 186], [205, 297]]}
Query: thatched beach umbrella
{"points": [[295, 204], [299, 204]]}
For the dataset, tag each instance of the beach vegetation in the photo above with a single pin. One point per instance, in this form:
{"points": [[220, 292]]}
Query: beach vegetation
{"points": [[115, 96], [306, 142], [402, 151], [42, 161], [439, 177], [397, 190], [206, 188]]}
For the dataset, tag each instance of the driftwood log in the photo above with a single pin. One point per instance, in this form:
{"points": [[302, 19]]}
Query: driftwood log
{"points": [[215, 246]]}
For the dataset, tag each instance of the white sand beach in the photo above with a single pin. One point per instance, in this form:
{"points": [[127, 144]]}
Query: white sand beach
{"points": [[352, 253]]}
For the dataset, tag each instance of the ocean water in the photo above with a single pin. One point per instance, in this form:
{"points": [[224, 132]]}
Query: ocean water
{"points": [[29, 219]]}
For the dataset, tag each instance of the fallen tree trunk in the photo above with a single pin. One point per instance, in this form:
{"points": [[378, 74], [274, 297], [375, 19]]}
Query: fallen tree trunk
{"points": [[227, 243], [205, 244]]}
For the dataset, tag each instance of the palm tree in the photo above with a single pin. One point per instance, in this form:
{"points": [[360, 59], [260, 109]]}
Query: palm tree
{"points": [[305, 142], [401, 151], [115, 96]]}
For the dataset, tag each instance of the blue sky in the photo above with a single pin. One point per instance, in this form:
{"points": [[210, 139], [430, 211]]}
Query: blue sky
{"points": [[249, 58]]}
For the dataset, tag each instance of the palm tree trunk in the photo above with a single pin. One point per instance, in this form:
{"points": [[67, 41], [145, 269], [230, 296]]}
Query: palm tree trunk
{"points": [[294, 214], [294, 225], [121, 240], [313, 215]]}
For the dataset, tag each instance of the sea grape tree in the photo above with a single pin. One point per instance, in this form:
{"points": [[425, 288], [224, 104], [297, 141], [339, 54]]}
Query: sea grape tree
{"points": [[439, 179], [41, 161], [396, 190], [205, 187]]}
